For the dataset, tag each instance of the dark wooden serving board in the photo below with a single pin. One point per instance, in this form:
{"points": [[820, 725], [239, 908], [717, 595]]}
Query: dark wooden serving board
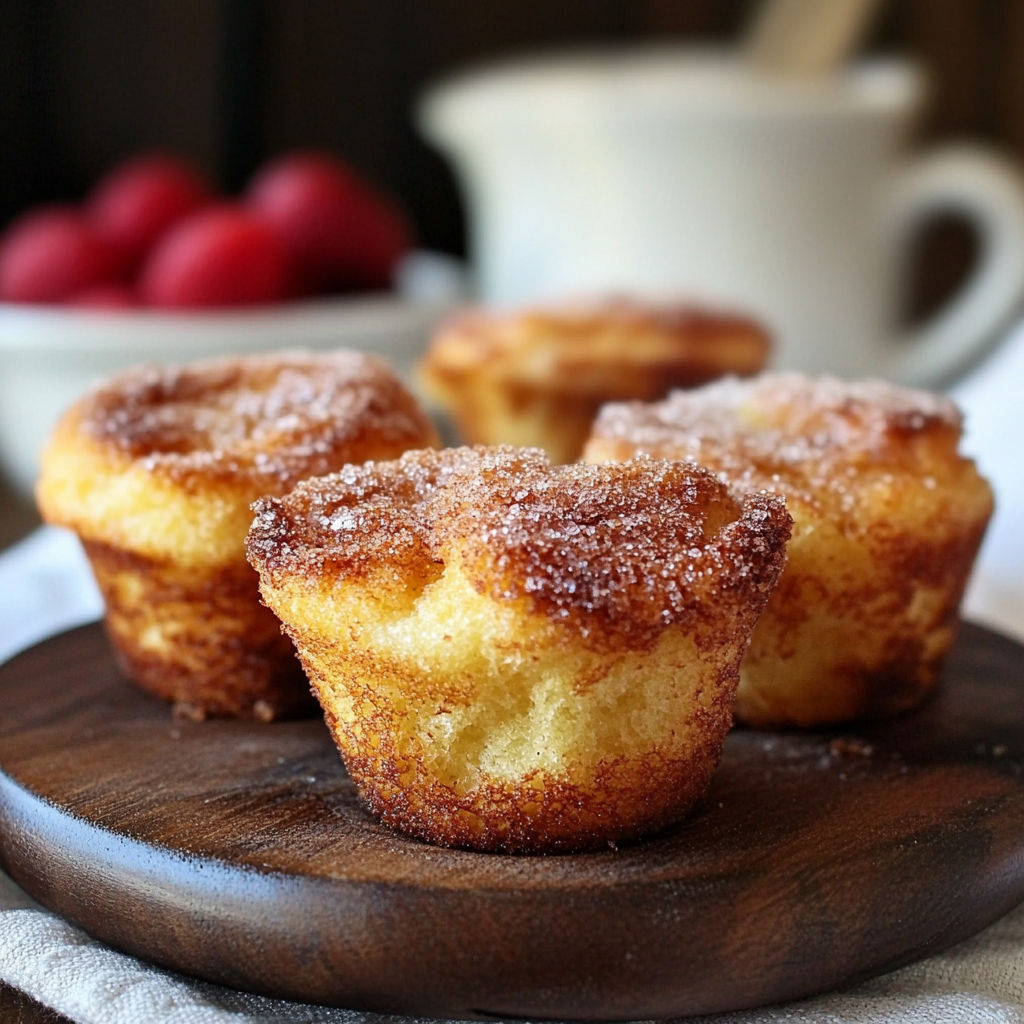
{"points": [[239, 853]]}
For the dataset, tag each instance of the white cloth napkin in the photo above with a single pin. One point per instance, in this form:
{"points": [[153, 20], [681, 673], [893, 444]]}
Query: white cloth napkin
{"points": [[46, 587]]}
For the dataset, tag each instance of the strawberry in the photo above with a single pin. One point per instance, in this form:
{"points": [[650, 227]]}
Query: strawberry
{"points": [[50, 253], [222, 255], [337, 230], [105, 296], [140, 200]]}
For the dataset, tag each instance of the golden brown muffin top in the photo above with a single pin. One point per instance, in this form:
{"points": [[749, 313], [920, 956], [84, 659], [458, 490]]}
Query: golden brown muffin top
{"points": [[272, 419], [570, 345], [807, 437], [631, 547]]}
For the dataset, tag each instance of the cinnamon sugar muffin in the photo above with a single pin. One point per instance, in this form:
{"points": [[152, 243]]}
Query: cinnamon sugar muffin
{"points": [[156, 471], [518, 657], [887, 515], [539, 376]]}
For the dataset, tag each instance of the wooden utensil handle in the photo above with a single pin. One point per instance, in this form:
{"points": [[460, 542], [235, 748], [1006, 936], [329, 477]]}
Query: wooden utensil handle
{"points": [[807, 37]]}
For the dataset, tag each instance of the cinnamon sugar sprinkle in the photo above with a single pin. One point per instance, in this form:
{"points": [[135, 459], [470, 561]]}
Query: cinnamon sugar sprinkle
{"points": [[642, 542], [278, 417], [807, 435]]}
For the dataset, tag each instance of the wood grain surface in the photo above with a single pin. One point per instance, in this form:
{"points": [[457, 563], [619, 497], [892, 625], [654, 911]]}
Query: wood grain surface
{"points": [[240, 853]]}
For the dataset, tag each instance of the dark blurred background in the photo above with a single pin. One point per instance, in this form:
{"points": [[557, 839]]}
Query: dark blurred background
{"points": [[230, 82]]}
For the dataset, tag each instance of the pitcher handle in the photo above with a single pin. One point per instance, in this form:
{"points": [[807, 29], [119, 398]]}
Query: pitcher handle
{"points": [[989, 192]]}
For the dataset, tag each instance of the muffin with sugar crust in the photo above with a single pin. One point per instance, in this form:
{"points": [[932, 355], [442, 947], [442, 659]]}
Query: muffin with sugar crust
{"points": [[518, 657], [156, 470], [537, 377], [888, 518]]}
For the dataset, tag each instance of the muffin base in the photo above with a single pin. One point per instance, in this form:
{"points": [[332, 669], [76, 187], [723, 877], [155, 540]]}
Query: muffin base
{"points": [[499, 731], [200, 638]]}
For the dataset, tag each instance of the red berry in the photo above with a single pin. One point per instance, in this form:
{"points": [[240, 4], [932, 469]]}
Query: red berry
{"points": [[141, 199], [337, 229], [219, 256], [384, 238], [105, 296], [50, 253]]}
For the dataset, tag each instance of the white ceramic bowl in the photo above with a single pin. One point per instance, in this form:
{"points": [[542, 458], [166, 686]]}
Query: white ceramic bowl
{"points": [[50, 355]]}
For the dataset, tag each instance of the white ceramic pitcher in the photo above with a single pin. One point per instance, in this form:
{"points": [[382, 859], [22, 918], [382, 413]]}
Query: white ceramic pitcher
{"points": [[679, 173]]}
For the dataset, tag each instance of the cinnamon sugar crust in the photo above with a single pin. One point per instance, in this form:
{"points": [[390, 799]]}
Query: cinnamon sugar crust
{"points": [[888, 520], [514, 656], [538, 377], [263, 422], [788, 433], [155, 470], [165, 462], [621, 551]]}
